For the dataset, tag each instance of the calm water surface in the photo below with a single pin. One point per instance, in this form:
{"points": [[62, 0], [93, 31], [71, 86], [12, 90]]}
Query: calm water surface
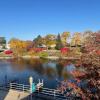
{"points": [[50, 71]]}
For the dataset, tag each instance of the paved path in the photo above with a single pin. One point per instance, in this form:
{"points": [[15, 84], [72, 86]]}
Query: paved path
{"points": [[12, 95]]}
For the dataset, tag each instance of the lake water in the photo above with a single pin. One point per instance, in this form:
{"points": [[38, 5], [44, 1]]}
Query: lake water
{"points": [[50, 71]]}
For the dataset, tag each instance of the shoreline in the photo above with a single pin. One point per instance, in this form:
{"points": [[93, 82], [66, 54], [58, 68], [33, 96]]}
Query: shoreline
{"points": [[38, 57], [7, 57]]}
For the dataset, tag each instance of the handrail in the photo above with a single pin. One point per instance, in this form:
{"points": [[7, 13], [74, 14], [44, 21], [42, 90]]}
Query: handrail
{"points": [[20, 87], [45, 91]]}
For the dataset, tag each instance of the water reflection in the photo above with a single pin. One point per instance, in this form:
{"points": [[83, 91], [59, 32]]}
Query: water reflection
{"points": [[21, 69], [70, 67]]}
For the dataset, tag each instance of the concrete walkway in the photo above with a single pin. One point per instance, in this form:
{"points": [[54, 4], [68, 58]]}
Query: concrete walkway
{"points": [[12, 95]]}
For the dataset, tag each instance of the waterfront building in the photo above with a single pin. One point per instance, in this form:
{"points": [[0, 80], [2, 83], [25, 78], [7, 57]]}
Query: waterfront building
{"points": [[2, 43]]}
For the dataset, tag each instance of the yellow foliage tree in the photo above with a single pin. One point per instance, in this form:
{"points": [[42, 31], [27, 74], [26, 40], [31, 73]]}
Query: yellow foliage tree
{"points": [[64, 37], [19, 47], [77, 39]]}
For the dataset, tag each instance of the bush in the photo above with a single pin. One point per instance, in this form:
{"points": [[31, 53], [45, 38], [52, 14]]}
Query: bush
{"points": [[43, 54]]}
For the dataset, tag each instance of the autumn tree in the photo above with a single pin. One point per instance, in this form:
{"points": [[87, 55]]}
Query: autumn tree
{"points": [[19, 47], [76, 39], [30, 45], [50, 40], [64, 37], [90, 48], [90, 41]]}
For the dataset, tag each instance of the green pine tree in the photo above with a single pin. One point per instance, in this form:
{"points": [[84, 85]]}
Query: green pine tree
{"points": [[59, 44]]}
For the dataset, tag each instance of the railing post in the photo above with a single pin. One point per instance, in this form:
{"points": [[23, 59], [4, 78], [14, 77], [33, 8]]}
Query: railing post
{"points": [[54, 94], [23, 87], [31, 82], [10, 86]]}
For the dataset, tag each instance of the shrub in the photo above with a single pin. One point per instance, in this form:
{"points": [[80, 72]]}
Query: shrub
{"points": [[43, 54]]}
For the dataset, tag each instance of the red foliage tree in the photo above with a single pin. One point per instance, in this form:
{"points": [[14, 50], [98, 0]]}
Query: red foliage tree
{"points": [[64, 50], [8, 52]]}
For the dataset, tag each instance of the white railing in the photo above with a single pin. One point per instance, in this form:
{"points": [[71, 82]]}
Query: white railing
{"points": [[20, 87], [45, 91]]}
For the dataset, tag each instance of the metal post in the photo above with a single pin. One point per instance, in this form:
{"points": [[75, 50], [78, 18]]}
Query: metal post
{"points": [[54, 94], [10, 85], [23, 87]]}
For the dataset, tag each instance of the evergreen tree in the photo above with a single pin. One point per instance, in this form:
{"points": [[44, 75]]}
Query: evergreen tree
{"points": [[59, 44], [38, 41]]}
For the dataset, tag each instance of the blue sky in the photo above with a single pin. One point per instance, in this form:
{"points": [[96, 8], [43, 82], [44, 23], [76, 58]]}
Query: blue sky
{"points": [[25, 19]]}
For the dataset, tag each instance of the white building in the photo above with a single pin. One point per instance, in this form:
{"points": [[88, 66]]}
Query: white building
{"points": [[8, 46]]}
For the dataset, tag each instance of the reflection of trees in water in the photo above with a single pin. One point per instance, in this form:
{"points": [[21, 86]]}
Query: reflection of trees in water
{"points": [[50, 72], [65, 62], [18, 64], [59, 68], [31, 64], [36, 65], [65, 74], [51, 68], [44, 60]]}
